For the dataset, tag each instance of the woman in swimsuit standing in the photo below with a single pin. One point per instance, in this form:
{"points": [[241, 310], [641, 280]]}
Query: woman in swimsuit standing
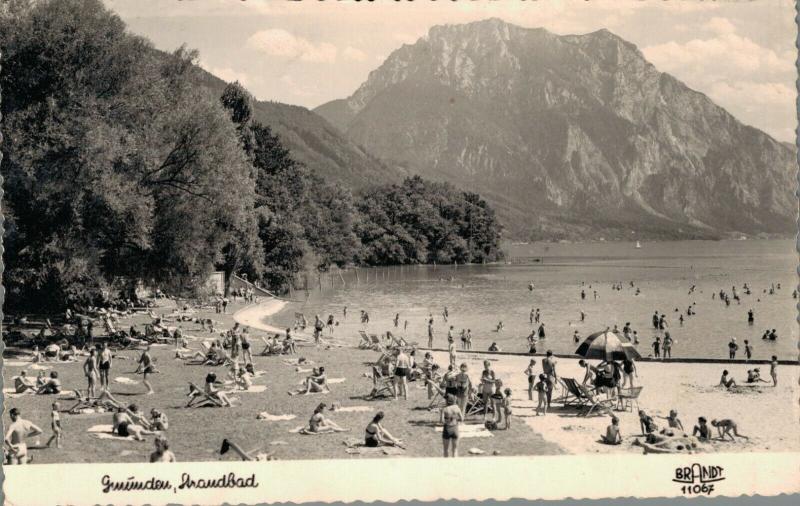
{"points": [[90, 370], [449, 418], [487, 386]]}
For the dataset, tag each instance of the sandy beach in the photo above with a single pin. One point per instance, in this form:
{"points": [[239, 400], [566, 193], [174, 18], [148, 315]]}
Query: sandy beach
{"points": [[690, 388]]}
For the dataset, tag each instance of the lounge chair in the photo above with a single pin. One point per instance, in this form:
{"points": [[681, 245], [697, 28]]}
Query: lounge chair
{"points": [[593, 403], [384, 387], [198, 398], [365, 343], [475, 405], [629, 397], [573, 396]]}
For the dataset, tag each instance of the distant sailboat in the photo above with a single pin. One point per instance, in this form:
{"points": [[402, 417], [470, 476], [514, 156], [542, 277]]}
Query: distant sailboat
{"points": [[638, 245]]}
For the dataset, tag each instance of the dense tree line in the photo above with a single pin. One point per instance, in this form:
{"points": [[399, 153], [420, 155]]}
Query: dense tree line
{"points": [[120, 169]]}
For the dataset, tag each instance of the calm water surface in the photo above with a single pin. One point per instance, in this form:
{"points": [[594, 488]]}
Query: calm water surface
{"points": [[478, 297]]}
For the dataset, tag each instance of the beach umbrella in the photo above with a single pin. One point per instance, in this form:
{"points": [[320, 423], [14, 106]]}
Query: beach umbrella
{"points": [[607, 346]]}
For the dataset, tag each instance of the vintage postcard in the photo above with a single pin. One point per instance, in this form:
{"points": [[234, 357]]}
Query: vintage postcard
{"points": [[261, 251]]}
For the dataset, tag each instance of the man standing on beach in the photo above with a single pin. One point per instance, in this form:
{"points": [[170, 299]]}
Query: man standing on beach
{"points": [[430, 333]]}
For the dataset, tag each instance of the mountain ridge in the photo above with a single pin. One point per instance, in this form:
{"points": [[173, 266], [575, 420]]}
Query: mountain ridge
{"points": [[569, 135]]}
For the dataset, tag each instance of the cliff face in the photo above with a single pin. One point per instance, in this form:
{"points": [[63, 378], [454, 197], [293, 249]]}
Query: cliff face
{"points": [[569, 136]]}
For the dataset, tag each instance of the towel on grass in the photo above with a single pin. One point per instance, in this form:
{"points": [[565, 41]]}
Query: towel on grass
{"points": [[471, 431], [125, 381], [17, 363], [274, 418], [38, 367], [254, 389], [353, 409], [300, 369], [356, 446]]}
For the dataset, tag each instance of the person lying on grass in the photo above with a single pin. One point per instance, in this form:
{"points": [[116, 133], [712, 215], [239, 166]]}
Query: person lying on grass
{"points": [[317, 382], [124, 426], [375, 435], [321, 425]]}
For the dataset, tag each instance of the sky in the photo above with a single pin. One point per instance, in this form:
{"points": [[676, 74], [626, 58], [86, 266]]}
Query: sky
{"points": [[307, 52]]}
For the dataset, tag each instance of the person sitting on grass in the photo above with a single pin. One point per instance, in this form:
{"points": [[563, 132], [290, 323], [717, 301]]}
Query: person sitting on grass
{"points": [[52, 386], [124, 426], [726, 381], [158, 420], [701, 430], [725, 427], [318, 424], [375, 435], [162, 452], [612, 435], [317, 382], [23, 384]]}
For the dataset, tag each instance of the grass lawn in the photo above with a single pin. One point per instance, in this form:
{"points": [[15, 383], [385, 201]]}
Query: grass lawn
{"points": [[196, 434]]}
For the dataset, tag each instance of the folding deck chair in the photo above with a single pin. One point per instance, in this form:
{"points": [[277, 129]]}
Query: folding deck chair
{"points": [[198, 398], [573, 396], [593, 403], [365, 343], [384, 387]]}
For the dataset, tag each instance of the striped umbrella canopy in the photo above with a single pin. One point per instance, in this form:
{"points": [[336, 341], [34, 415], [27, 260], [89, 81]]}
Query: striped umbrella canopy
{"points": [[607, 346]]}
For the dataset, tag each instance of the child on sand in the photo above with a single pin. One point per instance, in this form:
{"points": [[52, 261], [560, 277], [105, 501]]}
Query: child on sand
{"points": [[673, 420], [55, 424], [726, 381], [773, 370], [725, 427], [701, 430], [612, 435], [541, 389], [506, 407]]}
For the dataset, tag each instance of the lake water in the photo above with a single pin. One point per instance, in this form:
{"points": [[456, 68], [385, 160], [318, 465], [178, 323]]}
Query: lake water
{"points": [[479, 296]]}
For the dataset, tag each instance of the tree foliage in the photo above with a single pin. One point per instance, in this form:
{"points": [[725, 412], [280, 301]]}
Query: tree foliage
{"points": [[120, 167]]}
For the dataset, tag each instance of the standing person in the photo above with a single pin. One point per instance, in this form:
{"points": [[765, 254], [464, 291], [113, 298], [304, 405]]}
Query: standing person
{"points": [[667, 345], [541, 391], [178, 336], [332, 322], [628, 372], [224, 305], [396, 320], [430, 333], [105, 365], [751, 317], [531, 316], [542, 334], [55, 425], [18, 431], [590, 374], [450, 333], [531, 374], [773, 370], [748, 351], [247, 355], [450, 417], [463, 387], [732, 347], [318, 326], [657, 347], [90, 371], [487, 386], [344, 313], [549, 369], [402, 368], [451, 350], [445, 313], [146, 365]]}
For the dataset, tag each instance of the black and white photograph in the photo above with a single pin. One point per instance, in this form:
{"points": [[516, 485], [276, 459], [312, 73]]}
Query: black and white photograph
{"points": [[360, 234]]}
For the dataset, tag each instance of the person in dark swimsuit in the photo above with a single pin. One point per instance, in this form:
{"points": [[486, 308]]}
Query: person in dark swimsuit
{"points": [[701, 429], [375, 435], [450, 417]]}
